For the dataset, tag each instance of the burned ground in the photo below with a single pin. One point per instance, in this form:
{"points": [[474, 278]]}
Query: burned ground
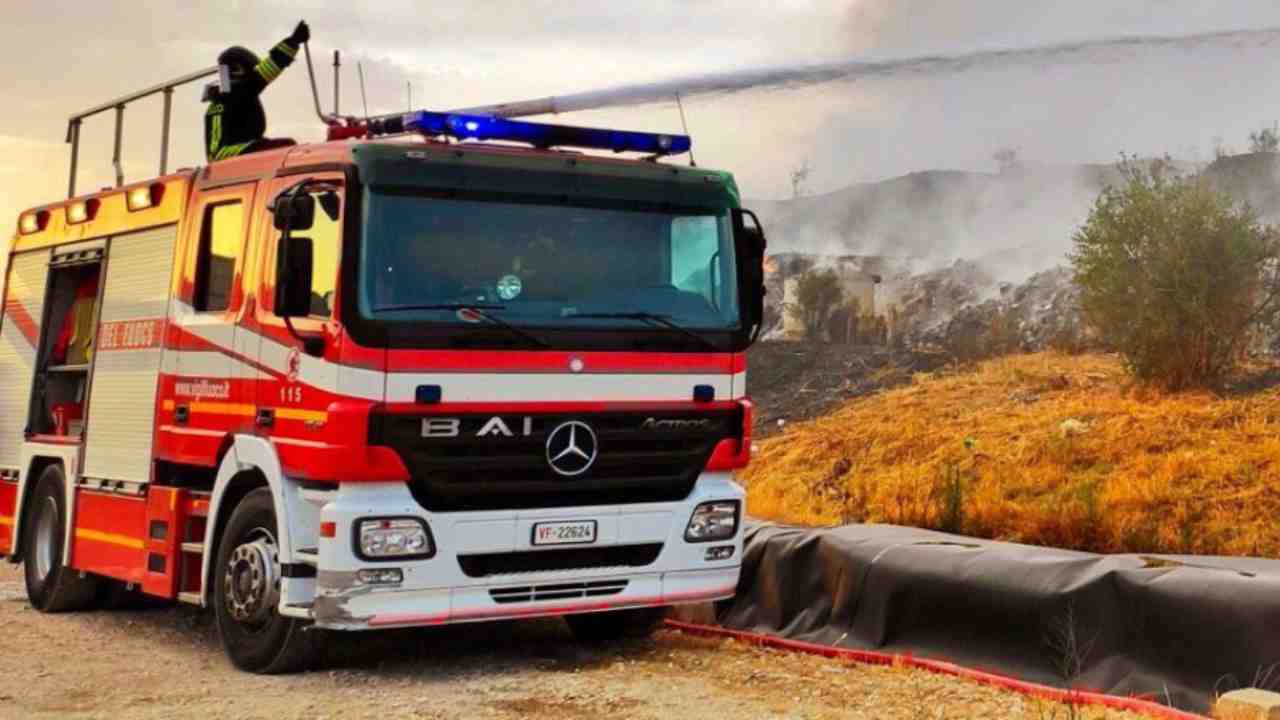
{"points": [[792, 381]]}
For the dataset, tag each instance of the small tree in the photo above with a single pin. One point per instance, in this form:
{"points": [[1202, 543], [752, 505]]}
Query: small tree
{"points": [[818, 293], [1265, 140], [1173, 275]]}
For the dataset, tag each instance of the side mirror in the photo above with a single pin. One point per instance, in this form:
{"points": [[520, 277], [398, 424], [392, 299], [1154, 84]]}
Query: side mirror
{"points": [[751, 243], [294, 259], [295, 212]]}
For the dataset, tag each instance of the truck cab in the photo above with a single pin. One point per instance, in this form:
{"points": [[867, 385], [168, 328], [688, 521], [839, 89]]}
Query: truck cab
{"points": [[387, 383]]}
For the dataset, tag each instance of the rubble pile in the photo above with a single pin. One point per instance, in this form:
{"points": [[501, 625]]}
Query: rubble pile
{"points": [[1041, 313], [962, 310], [922, 306]]}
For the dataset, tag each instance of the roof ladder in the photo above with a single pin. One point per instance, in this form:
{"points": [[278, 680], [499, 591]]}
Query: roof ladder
{"points": [[118, 105]]}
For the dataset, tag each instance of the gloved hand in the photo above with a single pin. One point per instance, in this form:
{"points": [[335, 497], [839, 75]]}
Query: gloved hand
{"points": [[301, 34]]}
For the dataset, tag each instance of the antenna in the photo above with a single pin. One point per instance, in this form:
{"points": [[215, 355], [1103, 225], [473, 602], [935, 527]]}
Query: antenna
{"points": [[337, 64], [363, 99], [685, 123], [409, 84]]}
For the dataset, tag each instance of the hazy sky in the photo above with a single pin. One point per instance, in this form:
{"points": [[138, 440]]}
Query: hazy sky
{"points": [[59, 56]]}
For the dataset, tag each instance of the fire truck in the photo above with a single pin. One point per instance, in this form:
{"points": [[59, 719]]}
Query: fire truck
{"points": [[439, 368]]}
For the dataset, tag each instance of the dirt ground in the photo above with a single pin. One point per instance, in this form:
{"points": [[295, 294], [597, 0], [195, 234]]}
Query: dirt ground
{"points": [[165, 662]]}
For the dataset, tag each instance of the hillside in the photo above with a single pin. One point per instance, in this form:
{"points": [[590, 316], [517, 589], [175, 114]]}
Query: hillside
{"points": [[1018, 221], [1044, 449], [1012, 223]]}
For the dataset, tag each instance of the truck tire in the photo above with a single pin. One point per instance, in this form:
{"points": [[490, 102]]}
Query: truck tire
{"points": [[51, 587], [246, 594], [604, 627]]}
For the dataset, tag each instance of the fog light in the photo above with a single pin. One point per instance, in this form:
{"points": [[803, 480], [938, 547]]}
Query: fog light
{"points": [[393, 538], [713, 521], [383, 576], [720, 552]]}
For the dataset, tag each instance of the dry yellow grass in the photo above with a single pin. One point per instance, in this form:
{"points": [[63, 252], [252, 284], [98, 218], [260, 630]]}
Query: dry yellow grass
{"points": [[1045, 449]]}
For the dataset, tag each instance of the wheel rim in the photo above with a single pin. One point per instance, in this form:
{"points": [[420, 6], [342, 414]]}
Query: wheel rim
{"points": [[251, 580], [46, 538]]}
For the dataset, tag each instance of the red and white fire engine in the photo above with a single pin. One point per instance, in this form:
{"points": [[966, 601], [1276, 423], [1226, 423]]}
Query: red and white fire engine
{"points": [[422, 374]]}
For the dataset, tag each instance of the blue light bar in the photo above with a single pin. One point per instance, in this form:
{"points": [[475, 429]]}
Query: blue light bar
{"points": [[541, 135]]}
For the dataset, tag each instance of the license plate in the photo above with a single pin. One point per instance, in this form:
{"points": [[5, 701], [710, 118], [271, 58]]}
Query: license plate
{"points": [[578, 532]]}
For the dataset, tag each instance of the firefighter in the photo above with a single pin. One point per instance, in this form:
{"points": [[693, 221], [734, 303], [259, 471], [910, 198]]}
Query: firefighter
{"points": [[235, 122]]}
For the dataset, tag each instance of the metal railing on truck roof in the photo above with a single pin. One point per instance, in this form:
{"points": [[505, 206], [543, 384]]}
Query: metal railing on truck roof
{"points": [[485, 122], [73, 125]]}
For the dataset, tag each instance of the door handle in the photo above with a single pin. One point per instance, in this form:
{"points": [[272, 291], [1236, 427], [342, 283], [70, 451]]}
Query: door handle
{"points": [[181, 414], [266, 417]]}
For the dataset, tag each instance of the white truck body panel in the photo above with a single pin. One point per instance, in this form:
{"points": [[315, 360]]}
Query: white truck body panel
{"points": [[19, 337], [125, 378]]}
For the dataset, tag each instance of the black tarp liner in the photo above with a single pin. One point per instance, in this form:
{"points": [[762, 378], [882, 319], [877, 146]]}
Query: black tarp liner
{"points": [[1175, 628]]}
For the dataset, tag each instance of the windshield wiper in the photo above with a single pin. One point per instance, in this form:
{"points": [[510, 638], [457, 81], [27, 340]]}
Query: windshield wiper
{"points": [[663, 320], [481, 310]]}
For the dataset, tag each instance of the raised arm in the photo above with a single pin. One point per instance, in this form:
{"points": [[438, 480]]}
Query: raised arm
{"points": [[280, 57]]}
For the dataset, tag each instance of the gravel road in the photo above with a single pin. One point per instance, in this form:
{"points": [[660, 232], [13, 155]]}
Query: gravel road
{"points": [[165, 662]]}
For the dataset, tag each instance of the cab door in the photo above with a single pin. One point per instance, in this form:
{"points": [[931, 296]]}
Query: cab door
{"points": [[206, 394], [295, 387]]}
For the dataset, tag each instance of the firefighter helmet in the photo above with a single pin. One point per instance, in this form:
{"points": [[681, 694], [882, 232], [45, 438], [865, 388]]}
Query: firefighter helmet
{"points": [[240, 60]]}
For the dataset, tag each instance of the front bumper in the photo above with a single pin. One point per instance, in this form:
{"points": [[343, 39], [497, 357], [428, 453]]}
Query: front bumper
{"points": [[438, 590]]}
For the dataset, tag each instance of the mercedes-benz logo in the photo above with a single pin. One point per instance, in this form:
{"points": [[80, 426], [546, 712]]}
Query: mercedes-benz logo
{"points": [[571, 448]]}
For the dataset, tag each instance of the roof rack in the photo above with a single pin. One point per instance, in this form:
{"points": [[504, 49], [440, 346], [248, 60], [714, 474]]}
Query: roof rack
{"points": [[73, 125]]}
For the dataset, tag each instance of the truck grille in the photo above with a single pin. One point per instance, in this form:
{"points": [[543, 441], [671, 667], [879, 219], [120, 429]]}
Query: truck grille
{"points": [[636, 463], [619, 556], [563, 591]]}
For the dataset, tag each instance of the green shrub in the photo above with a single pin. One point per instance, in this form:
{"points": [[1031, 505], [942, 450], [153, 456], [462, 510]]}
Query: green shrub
{"points": [[818, 294], [1173, 275]]}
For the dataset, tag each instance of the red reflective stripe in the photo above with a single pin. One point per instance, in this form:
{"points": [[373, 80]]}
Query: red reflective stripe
{"points": [[407, 619], [590, 406], [557, 361], [181, 339], [21, 319], [488, 361]]}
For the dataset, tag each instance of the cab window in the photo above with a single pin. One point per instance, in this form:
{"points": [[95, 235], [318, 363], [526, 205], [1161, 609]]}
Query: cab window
{"points": [[695, 256], [221, 237]]}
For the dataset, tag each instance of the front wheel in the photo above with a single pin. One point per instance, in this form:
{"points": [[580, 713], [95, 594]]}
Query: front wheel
{"points": [[246, 594], [601, 627], [51, 586]]}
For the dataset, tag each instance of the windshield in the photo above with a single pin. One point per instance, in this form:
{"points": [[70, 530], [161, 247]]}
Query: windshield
{"points": [[533, 265]]}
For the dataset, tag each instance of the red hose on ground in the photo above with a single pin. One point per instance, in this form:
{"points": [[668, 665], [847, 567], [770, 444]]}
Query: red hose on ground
{"points": [[871, 657]]}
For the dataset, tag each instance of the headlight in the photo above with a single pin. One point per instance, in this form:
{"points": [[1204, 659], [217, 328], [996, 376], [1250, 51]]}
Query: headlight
{"points": [[393, 539], [713, 521]]}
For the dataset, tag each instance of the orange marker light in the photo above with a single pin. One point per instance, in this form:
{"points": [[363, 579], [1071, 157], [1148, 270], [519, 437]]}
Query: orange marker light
{"points": [[82, 211], [33, 222], [141, 198]]}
